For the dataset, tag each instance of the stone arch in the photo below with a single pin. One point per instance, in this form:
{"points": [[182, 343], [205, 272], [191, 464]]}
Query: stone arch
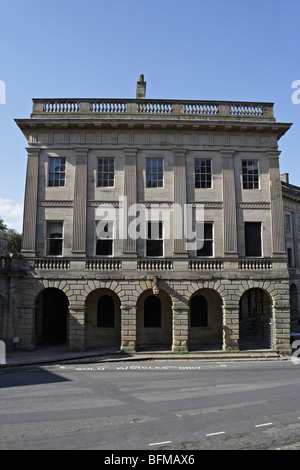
{"points": [[255, 319], [158, 334], [205, 334], [51, 316], [102, 327]]}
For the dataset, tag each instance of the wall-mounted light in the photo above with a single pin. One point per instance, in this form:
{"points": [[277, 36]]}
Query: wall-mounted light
{"points": [[155, 288]]}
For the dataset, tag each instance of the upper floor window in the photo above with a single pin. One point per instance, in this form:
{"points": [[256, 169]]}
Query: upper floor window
{"points": [[154, 172], [203, 173], [253, 238], [154, 242], [250, 174], [57, 171], [288, 222], [106, 172], [54, 238], [104, 244], [205, 240]]}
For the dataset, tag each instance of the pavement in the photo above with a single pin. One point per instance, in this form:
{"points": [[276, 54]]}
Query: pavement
{"points": [[55, 354]]}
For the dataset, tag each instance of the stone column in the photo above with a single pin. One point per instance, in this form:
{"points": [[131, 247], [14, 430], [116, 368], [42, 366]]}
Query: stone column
{"points": [[229, 205], [130, 193], [30, 203], [80, 203], [180, 327], [277, 217], [180, 248], [76, 326], [230, 327], [128, 328]]}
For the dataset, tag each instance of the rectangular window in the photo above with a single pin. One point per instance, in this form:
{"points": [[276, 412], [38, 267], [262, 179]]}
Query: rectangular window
{"points": [[250, 174], [55, 238], [57, 171], [104, 244], [205, 239], [287, 222], [154, 242], [203, 173], [298, 223], [106, 172], [290, 258], [154, 172], [253, 239]]}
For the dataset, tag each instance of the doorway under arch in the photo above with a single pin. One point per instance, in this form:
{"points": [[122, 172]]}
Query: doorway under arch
{"points": [[255, 320], [154, 321], [205, 320], [103, 319], [51, 320]]}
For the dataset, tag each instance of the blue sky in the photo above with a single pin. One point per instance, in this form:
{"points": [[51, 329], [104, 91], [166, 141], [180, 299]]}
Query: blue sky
{"points": [[244, 50]]}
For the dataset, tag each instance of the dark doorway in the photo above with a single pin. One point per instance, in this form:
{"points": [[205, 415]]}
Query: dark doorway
{"points": [[106, 312], [51, 321], [152, 312], [198, 311]]}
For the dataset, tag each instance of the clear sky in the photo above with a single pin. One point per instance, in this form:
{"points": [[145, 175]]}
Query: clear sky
{"points": [[240, 50]]}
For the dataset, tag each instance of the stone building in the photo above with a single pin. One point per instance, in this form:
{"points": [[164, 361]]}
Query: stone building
{"points": [[153, 224], [291, 205]]}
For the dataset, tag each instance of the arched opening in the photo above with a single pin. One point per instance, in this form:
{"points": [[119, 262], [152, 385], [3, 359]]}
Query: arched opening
{"points": [[103, 320], [154, 321], [255, 320], [51, 317], [205, 320], [295, 320]]}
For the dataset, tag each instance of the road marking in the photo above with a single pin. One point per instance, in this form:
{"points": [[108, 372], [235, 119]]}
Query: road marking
{"points": [[263, 424], [159, 443], [215, 433]]}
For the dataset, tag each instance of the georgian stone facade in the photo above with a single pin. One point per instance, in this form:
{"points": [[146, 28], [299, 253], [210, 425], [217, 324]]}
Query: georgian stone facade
{"points": [[95, 289], [291, 204]]}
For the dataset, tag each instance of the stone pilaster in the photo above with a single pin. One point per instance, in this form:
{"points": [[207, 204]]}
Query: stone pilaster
{"points": [[30, 203], [180, 327], [229, 205], [230, 327], [277, 217], [128, 328], [76, 327], [130, 193], [80, 203], [180, 248]]}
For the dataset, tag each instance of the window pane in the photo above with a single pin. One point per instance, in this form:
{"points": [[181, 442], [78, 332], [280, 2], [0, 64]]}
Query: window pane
{"points": [[252, 238], [250, 174], [106, 172], [154, 172], [203, 173], [57, 171], [104, 247]]}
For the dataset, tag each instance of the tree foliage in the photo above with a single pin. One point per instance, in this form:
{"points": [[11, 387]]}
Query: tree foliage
{"points": [[14, 238]]}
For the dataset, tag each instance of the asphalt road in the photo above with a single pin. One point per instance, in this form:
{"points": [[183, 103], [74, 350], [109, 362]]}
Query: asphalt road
{"points": [[151, 406]]}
